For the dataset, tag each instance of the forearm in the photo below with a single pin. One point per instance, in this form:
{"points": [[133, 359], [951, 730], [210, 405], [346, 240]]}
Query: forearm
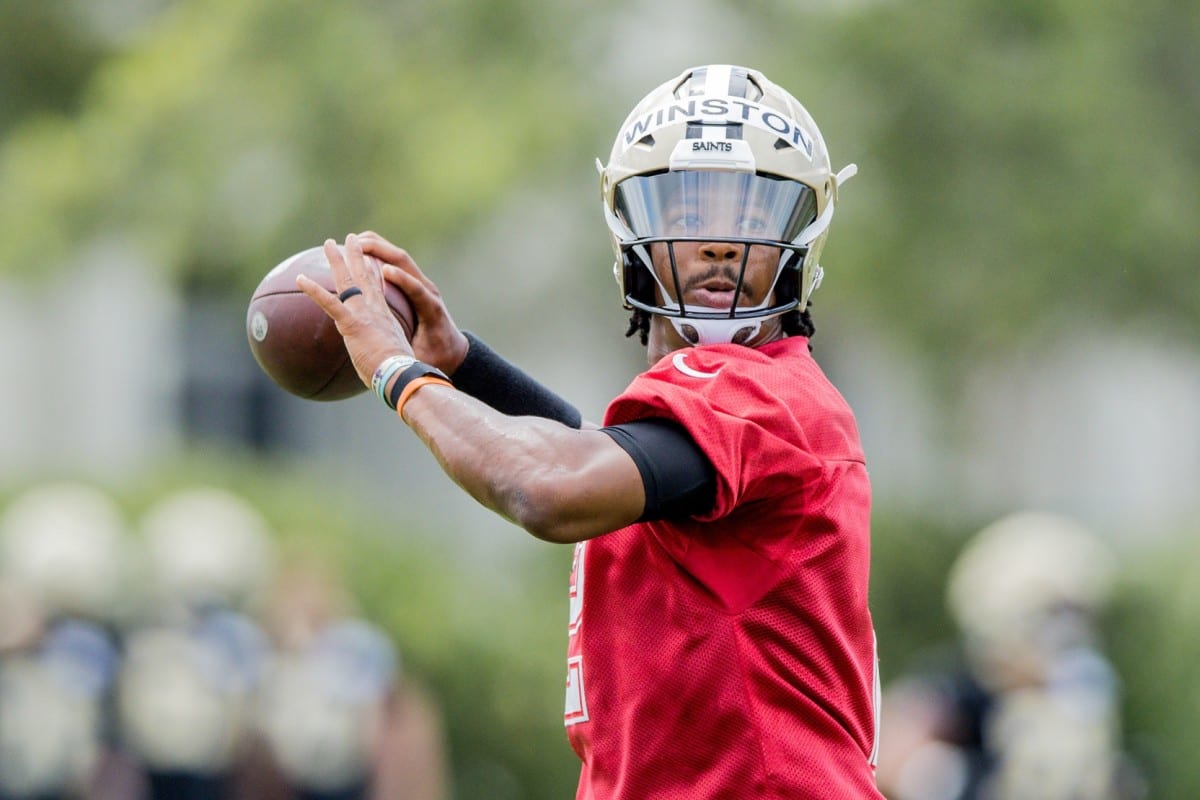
{"points": [[558, 483], [486, 375]]}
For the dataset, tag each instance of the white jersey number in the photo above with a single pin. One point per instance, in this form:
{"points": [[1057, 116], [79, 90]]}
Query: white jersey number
{"points": [[576, 702]]}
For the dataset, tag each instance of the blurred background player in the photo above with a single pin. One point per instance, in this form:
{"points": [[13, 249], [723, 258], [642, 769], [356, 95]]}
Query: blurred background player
{"points": [[1032, 712], [339, 718], [195, 659], [62, 563], [183, 664]]}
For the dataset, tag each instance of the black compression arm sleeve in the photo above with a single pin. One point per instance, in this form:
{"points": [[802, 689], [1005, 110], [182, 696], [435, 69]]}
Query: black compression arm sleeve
{"points": [[486, 376], [680, 480]]}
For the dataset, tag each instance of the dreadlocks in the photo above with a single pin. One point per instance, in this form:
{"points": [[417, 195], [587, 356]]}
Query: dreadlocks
{"points": [[639, 322]]}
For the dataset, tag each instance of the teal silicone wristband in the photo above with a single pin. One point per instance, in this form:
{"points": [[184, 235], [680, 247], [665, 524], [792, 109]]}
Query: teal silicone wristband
{"points": [[384, 372]]}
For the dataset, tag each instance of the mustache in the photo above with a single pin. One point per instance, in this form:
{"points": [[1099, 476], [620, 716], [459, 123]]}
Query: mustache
{"points": [[724, 271]]}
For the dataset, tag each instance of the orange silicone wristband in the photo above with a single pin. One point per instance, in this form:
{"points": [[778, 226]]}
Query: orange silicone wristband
{"points": [[415, 384]]}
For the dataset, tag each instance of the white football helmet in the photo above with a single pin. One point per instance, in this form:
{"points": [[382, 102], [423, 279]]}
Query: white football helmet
{"points": [[1026, 589], [689, 159], [207, 546], [63, 544], [1023, 566]]}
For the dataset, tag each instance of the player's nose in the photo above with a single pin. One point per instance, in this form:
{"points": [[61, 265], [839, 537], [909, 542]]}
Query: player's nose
{"points": [[721, 251]]}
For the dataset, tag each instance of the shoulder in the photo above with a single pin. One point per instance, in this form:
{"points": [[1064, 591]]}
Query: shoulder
{"points": [[777, 390], [780, 372]]}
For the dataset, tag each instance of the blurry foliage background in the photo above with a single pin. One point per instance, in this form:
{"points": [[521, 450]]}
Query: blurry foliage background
{"points": [[1027, 165]]}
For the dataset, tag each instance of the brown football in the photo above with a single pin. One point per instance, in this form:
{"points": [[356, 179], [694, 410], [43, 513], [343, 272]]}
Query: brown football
{"points": [[295, 342]]}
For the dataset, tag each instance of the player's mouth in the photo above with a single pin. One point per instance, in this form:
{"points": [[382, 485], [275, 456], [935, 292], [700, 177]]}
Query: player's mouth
{"points": [[713, 292], [711, 298]]}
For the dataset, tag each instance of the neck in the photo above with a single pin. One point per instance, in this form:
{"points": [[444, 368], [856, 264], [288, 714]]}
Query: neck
{"points": [[664, 339]]}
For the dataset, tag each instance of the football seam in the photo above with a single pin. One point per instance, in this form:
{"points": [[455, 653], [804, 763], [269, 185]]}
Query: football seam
{"points": [[297, 290], [332, 376], [409, 330]]}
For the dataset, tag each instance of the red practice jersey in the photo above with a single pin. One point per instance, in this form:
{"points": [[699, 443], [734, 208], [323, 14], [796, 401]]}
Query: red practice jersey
{"points": [[732, 655]]}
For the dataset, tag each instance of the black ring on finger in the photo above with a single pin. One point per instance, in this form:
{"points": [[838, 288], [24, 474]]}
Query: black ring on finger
{"points": [[347, 293]]}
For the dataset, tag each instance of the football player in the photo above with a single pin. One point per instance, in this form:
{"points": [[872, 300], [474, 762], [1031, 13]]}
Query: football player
{"points": [[1029, 706], [720, 643]]}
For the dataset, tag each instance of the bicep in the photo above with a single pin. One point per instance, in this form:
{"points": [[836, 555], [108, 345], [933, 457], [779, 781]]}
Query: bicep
{"points": [[559, 483], [589, 487], [647, 469]]}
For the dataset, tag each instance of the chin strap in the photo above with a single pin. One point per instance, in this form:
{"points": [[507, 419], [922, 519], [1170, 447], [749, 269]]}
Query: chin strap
{"points": [[716, 331]]}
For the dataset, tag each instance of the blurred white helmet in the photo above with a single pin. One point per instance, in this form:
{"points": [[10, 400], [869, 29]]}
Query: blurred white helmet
{"points": [[207, 546], [1023, 567], [64, 544]]}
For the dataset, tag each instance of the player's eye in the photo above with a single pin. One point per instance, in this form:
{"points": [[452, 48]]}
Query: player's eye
{"points": [[684, 223], [752, 225]]}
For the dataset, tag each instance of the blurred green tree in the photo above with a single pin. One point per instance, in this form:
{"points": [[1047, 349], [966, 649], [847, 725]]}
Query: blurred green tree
{"points": [[1027, 165], [232, 134], [47, 56]]}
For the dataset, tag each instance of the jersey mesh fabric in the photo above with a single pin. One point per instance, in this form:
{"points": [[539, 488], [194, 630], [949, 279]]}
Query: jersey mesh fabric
{"points": [[732, 656]]}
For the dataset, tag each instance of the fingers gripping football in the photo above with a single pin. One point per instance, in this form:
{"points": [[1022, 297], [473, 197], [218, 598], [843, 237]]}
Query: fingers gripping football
{"points": [[365, 321], [437, 340]]}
